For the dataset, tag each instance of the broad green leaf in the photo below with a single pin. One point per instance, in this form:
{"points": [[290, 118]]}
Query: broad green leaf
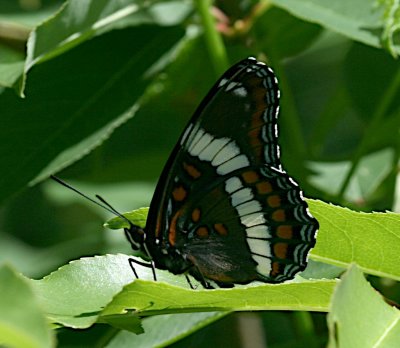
{"points": [[22, 321], [372, 240], [359, 317], [87, 93], [371, 171], [11, 65], [360, 20], [79, 20], [148, 298], [10, 73], [75, 294], [163, 330]]}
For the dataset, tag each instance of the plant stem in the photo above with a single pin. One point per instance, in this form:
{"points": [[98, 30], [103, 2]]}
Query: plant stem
{"points": [[213, 38], [378, 115]]}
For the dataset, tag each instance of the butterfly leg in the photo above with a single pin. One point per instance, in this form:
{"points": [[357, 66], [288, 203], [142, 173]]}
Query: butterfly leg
{"points": [[207, 285], [203, 282], [151, 265], [195, 272], [190, 283]]}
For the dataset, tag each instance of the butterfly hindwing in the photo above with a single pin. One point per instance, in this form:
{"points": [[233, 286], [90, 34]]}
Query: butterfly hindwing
{"points": [[224, 209]]}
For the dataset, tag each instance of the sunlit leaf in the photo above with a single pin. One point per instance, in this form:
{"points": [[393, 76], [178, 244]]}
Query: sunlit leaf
{"points": [[22, 322], [372, 240], [359, 317], [163, 330], [360, 20], [76, 294]]}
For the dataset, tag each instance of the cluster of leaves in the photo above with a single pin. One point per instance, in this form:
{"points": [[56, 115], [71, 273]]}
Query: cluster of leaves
{"points": [[68, 102]]}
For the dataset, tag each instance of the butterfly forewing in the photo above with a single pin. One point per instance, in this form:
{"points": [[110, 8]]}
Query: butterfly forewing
{"points": [[224, 209]]}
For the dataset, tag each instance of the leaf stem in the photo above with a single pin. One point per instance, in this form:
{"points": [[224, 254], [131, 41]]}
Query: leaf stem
{"points": [[377, 117], [213, 38]]}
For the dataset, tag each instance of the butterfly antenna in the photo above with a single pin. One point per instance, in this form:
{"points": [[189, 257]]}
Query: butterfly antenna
{"points": [[107, 206], [111, 208]]}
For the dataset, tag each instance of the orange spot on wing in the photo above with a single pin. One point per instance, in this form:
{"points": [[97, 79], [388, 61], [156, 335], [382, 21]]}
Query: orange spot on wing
{"points": [[202, 232], [221, 229], [279, 215], [258, 150], [274, 201], [250, 177], [256, 119], [280, 250], [276, 268], [179, 193], [254, 137], [285, 232], [196, 214], [172, 228], [191, 170], [264, 187], [158, 226]]}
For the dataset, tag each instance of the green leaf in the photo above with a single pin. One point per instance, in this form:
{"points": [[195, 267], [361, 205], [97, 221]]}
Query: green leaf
{"points": [[137, 217], [78, 293], [148, 298], [11, 65], [22, 321], [78, 21], [163, 330], [75, 294], [360, 20], [372, 240], [371, 171], [359, 317], [87, 93], [10, 73]]}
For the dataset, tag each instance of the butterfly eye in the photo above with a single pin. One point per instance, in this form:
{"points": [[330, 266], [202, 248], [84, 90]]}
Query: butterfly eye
{"points": [[135, 236]]}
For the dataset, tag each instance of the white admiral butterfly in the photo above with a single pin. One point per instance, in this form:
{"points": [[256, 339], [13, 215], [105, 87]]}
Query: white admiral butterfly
{"points": [[224, 210]]}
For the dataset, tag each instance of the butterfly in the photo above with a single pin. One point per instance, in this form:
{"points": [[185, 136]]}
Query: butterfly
{"points": [[224, 210]]}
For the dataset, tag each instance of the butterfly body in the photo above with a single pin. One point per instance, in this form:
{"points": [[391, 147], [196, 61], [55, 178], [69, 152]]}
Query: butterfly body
{"points": [[224, 209]]}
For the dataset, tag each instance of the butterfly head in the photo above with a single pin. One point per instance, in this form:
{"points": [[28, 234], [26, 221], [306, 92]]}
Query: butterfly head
{"points": [[136, 237]]}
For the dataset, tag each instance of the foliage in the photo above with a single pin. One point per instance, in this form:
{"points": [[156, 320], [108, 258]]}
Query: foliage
{"points": [[100, 96]]}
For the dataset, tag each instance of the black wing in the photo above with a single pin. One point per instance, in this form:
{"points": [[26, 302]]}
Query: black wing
{"points": [[223, 202]]}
